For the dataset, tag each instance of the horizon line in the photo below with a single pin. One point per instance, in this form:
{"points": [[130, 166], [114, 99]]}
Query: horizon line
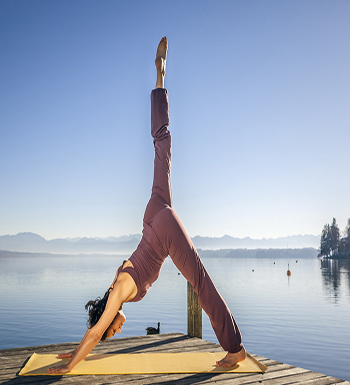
{"points": [[140, 234]]}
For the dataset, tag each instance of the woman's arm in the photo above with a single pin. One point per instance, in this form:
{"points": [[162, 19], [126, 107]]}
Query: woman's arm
{"points": [[72, 353], [125, 289]]}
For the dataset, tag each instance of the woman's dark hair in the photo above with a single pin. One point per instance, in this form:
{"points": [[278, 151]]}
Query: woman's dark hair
{"points": [[96, 309]]}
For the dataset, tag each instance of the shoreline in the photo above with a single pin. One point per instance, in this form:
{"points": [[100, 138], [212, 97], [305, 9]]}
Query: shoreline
{"points": [[272, 253]]}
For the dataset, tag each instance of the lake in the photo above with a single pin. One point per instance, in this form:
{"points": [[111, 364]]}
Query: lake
{"points": [[303, 320]]}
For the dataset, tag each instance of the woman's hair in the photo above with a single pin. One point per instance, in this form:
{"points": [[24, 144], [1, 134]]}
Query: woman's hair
{"points": [[96, 309]]}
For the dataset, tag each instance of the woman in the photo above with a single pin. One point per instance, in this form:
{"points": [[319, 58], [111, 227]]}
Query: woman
{"points": [[163, 235]]}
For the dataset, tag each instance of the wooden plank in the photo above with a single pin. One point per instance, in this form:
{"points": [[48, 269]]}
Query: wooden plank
{"points": [[326, 381]]}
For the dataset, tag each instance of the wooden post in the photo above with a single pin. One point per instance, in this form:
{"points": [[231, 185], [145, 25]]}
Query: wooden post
{"points": [[194, 313]]}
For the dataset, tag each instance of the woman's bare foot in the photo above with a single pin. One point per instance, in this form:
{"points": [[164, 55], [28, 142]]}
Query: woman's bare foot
{"points": [[161, 62], [232, 359]]}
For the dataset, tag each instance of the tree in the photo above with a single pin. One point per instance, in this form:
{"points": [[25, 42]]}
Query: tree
{"points": [[347, 230], [334, 234], [347, 238], [326, 242]]}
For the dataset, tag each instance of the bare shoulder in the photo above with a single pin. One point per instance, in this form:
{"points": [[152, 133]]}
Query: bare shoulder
{"points": [[125, 288]]}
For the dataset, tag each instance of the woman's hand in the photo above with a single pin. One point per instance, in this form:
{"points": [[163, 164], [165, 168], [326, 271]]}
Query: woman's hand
{"points": [[67, 355], [62, 369]]}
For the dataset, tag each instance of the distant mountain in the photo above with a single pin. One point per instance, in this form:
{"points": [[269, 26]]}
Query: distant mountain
{"points": [[30, 242], [228, 242]]}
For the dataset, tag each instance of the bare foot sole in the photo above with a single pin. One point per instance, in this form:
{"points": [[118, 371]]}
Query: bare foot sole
{"points": [[232, 359], [161, 55]]}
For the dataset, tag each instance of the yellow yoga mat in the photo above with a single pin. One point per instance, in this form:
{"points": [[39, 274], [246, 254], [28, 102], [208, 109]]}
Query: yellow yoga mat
{"points": [[142, 363]]}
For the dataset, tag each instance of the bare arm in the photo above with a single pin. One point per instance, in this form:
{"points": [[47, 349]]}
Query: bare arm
{"points": [[124, 290]]}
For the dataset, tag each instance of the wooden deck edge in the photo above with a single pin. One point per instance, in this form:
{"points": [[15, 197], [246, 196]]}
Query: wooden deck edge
{"points": [[12, 360]]}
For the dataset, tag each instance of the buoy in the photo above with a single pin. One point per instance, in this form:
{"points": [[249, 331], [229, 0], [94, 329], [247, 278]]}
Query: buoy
{"points": [[288, 271]]}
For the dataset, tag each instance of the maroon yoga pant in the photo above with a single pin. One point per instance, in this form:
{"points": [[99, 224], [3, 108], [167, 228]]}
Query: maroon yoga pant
{"points": [[164, 234]]}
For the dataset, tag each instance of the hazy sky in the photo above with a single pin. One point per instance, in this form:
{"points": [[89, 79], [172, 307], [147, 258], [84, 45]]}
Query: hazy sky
{"points": [[259, 107]]}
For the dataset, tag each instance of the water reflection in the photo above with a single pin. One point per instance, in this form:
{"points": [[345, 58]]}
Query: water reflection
{"points": [[335, 273]]}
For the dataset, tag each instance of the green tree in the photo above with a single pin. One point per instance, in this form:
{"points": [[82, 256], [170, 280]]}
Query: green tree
{"points": [[334, 233], [347, 230], [347, 238], [326, 241]]}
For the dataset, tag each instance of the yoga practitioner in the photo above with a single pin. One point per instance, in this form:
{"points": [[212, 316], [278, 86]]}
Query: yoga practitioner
{"points": [[163, 235]]}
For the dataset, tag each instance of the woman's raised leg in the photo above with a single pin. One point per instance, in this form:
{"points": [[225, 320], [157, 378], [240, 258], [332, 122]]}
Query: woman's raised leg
{"points": [[161, 189]]}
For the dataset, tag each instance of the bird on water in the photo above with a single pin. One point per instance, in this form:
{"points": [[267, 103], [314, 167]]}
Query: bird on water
{"points": [[151, 330]]}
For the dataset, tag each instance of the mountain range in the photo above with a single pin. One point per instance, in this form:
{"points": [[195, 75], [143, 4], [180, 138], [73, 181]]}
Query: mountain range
{"points": [[30, 242]]}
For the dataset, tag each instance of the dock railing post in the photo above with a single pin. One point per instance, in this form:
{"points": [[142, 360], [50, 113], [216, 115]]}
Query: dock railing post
{"points": [[194, 313]]}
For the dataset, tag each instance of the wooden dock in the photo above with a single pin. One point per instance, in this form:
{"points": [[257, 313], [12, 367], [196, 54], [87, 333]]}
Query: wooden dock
{"points": [[12, 360]]}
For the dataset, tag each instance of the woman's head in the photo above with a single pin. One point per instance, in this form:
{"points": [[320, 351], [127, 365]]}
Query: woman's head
{"points": [[116, 325], [96, 308]]}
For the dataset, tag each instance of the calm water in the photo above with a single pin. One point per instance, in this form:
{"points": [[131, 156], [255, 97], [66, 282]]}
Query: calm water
{"points": [[302, 320]]}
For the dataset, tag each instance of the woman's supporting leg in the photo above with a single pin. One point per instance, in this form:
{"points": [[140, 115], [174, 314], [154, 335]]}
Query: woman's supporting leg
{"points": [[176, 241]]}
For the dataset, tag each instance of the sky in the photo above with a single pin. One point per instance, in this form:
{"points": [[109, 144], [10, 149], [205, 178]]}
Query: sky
{"points": [[259, 114]]}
